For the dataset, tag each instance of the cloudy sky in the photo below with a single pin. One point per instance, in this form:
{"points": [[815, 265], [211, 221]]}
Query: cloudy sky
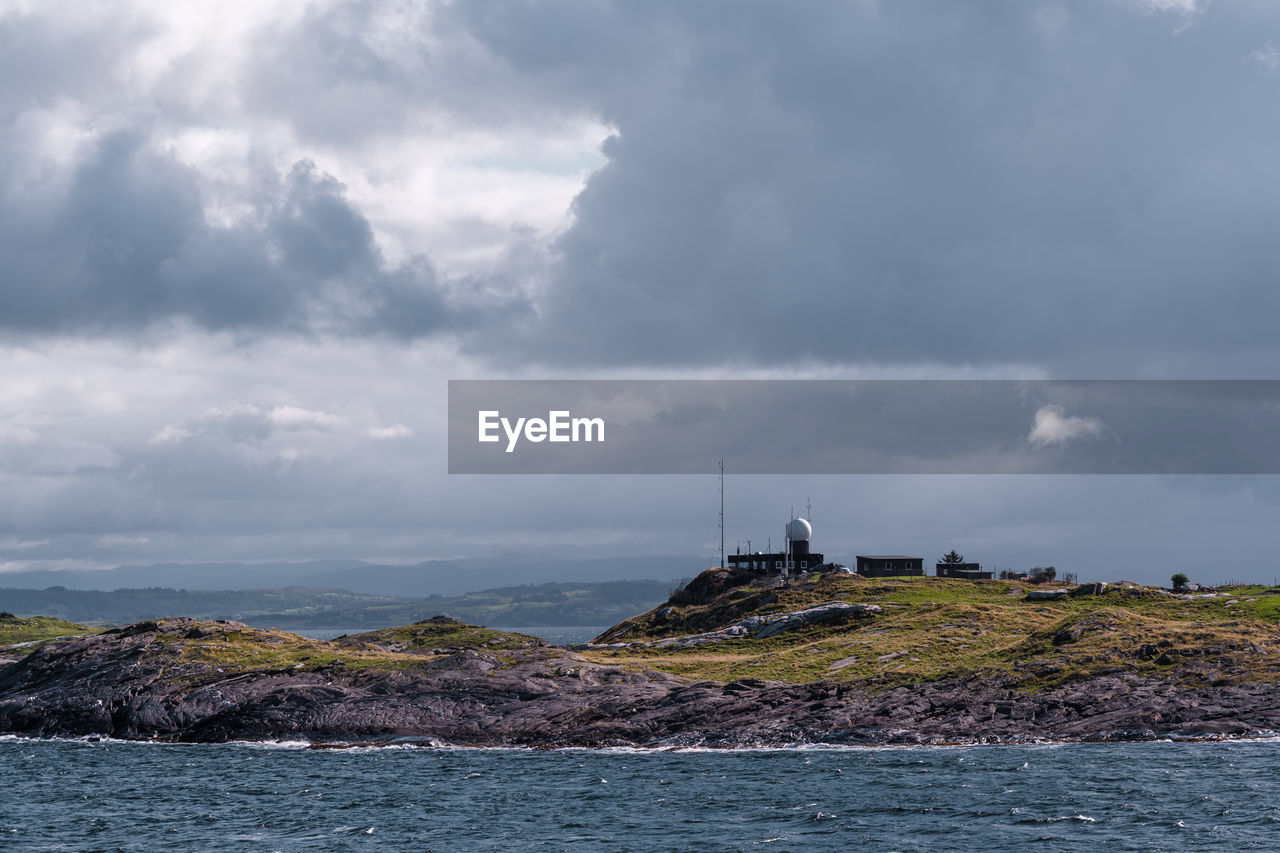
{"points": [[246, 245]]}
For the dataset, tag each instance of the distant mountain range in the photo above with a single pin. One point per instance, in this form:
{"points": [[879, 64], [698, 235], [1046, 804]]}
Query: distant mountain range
{"points": [[420, 580], [548, 604]]}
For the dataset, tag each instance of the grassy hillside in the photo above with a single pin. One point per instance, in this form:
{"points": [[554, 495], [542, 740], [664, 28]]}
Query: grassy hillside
{"points": [[933, 628], [19, 636], [438, 635], [232, 647], [920, 629]]}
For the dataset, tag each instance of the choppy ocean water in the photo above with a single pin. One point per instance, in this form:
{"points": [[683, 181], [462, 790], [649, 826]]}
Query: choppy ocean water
{"points": [[76, 795]]}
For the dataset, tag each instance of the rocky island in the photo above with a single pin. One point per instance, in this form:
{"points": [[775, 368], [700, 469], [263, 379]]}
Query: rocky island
{"points": [[825, 659]]}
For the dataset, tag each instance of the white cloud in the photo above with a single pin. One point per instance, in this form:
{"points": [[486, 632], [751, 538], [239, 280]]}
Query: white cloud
{"points": [[1053, 426], [118, 540], [232, 410], [171, 434], [389, 432], [14, 543], [1268, 56], [1186, 7], [294, 417], [17, 434]]}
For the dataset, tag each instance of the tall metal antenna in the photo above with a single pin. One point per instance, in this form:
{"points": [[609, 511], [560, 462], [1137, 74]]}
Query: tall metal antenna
{"points": [[786, 549], [808, 509], [722, 512], [786, 543]]}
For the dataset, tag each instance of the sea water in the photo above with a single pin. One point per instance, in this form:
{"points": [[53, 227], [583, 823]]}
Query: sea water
{"points": [[566, 635], [112, 795]]}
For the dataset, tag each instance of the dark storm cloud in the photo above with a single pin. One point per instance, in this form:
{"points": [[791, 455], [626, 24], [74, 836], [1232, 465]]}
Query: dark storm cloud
{"points": [[1088, 185], [105, 229], [1081, 188], [127, 244], [347, 72], [35, 54]]}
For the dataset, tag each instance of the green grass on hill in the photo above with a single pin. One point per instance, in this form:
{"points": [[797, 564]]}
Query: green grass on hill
{"points": [[32, 632], [928, 629], [232, 647], [936, 628], [439, 634]]}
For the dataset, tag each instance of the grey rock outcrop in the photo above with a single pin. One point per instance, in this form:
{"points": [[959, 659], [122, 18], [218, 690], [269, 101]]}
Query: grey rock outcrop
{"points": [[1046, 594], [771, 625]]}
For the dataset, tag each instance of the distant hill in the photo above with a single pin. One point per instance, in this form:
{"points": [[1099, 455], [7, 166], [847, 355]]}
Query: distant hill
{"points": [[551, 604], [420, 580]]}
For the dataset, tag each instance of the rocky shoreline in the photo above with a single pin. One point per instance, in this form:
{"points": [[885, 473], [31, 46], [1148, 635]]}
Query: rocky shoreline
{"points": [[142, 682]]}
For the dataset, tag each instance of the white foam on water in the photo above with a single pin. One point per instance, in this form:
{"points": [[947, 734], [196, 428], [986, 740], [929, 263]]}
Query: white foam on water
{"points": [[364, 747]]}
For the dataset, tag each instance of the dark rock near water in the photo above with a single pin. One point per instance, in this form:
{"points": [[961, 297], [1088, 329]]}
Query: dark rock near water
{"points": [[136, 683]]}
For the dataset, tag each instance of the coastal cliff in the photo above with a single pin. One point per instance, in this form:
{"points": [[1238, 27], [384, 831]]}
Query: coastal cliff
{"points": [[824, 660]]}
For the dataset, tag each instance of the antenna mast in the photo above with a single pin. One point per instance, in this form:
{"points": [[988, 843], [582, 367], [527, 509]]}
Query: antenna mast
{"points": [[786, 552], [722, 512], [786, 537]]}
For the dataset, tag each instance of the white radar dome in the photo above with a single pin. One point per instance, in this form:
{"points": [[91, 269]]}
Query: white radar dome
{"points": [[799, 530]]}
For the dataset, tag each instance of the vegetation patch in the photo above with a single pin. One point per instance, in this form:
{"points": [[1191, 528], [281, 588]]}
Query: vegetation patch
{"points": [[438, 635], [21, 636], [934, 628], [926, 629], [222, 647], [231, 647]]}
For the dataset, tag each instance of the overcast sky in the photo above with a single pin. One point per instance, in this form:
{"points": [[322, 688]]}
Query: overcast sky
{"points": [[246, 244]]}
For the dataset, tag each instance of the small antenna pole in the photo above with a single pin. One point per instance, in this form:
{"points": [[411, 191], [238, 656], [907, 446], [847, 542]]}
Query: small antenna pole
{"points": [[722, 512]]}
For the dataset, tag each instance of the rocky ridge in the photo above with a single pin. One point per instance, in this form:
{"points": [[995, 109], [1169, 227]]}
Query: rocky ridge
{"points": [[759, 626], [443, 682]]}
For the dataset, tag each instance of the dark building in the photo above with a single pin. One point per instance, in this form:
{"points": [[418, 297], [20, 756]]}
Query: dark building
{"points": [[764, 564], [972, 571], [797, 559], [890, 567]]}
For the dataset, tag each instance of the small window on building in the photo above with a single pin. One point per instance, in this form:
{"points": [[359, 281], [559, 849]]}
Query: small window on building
{"points": [[777, 564], [804, 564]]}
